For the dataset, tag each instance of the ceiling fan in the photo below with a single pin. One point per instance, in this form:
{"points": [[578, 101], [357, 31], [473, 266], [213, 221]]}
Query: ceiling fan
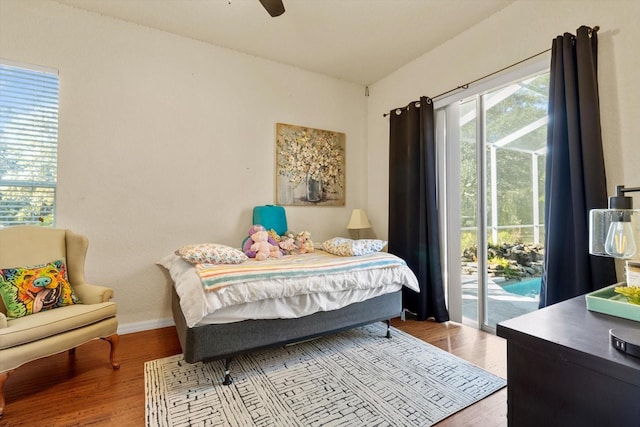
{"points": [[274, 7]]}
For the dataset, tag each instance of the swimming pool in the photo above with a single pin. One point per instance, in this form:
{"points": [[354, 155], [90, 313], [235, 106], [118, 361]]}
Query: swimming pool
{"points": [[527, 288]]}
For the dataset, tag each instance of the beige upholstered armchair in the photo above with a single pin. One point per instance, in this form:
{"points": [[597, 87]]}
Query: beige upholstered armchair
{"points": [[47, 332]]}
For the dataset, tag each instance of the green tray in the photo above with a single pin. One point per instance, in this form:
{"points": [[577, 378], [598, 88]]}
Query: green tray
{"points": [[607, 301]]}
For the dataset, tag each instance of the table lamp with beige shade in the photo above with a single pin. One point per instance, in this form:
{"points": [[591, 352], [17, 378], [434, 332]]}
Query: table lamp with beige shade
{"points": [[358, 221]]}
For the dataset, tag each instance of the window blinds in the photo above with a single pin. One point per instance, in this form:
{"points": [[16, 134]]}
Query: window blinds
{"points": [[28, 145]]}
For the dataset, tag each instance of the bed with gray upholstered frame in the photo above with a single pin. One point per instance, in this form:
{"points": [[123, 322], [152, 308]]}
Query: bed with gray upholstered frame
{"points": [[226, 340]]}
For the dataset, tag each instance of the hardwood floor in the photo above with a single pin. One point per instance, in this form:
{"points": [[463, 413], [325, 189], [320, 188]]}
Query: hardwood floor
{"points": [[83, 390]]}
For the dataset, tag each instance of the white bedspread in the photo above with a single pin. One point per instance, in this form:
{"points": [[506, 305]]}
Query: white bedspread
{"points": [[326, 292]]}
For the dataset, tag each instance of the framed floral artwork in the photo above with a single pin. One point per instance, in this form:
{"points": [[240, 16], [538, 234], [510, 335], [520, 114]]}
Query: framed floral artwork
{"points": [[310, 166]]}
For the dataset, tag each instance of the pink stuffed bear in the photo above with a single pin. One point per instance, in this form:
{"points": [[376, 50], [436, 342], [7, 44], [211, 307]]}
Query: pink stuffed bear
{"points": [[246, 244], [262, 247]]}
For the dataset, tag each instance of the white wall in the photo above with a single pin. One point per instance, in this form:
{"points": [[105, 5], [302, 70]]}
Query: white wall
{"points": [[515, 33], [165, 141]]}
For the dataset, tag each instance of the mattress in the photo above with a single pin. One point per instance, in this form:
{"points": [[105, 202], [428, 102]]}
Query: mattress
{"points": [[336, 291]]}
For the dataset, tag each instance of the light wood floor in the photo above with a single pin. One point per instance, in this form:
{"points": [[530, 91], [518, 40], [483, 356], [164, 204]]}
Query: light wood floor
{"points": [[83, 390]]}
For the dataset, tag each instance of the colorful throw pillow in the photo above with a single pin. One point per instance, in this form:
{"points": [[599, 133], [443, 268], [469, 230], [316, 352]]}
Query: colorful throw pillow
{"points": [[211, 253], [28, 290], [346, 247]]}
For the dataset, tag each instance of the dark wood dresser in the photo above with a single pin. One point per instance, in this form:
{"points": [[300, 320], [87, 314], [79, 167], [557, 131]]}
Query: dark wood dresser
{"points": [[562, 370]]}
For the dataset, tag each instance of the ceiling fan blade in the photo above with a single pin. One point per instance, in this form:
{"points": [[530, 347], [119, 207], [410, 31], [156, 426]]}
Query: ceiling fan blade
{"points": [[274, 7]]}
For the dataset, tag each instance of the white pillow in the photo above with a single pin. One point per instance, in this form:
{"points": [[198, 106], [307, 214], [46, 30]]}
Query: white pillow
{"points": [[211, 253], [346, 247]]}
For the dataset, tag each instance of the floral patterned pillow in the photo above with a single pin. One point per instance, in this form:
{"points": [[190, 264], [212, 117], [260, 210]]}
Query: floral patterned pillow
{"points": [[28, 290], [211, 253], [346, 247]]}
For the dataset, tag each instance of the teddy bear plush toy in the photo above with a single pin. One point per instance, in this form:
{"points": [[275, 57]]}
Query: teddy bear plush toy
{"points": [[262, 247], [303, 243], [246, 244]]}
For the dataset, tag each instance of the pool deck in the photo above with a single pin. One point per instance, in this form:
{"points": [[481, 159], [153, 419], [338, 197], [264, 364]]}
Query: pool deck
{"points": [[502, 305]]}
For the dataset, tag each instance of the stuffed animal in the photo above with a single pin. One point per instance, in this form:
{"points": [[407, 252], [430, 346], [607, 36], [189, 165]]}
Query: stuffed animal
{"points": [[246, 246], [303, 243], [274, 235], [262, 247], [288, 245]]}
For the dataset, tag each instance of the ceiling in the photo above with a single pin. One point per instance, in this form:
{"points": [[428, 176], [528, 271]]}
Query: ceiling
{"points": [[360, 41]]}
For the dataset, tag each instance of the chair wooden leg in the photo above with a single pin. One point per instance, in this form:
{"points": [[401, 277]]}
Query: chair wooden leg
{"points": [[113, 340], [3, 379]]}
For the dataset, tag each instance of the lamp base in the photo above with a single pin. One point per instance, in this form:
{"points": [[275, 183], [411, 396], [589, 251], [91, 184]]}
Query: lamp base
{"points": [[626, 340]]}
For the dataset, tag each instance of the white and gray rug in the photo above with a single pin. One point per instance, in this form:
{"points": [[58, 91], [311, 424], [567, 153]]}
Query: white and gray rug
{"points": [[353, 378]]}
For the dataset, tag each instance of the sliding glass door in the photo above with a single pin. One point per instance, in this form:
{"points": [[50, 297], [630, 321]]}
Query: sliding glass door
{"points": [[493, 174]]}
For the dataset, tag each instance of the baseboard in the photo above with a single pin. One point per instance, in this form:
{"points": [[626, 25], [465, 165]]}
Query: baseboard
{"points": [[147, 325]]}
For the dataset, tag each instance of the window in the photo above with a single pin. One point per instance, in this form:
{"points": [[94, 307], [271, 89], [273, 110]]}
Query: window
{"points": [[28, 144]]}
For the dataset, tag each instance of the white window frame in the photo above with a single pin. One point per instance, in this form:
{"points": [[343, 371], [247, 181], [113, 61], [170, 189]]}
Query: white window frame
{"points": [[29, 140]]}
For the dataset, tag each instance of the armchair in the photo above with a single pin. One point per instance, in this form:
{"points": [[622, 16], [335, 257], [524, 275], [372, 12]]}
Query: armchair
{"points": [[23, 339]]}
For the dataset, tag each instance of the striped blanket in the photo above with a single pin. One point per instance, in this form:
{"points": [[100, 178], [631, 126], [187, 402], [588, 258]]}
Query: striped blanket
{"points": [[218, 276]]}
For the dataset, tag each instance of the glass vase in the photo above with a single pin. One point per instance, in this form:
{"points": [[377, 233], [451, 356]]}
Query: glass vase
{"points": [[314, 188]]}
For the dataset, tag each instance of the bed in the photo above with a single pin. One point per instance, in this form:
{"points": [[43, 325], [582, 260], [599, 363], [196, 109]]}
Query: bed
{"points": [[222, 311]]}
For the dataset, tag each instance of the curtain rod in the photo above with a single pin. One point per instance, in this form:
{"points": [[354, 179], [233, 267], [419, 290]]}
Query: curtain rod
{"points": [[466, 85]]}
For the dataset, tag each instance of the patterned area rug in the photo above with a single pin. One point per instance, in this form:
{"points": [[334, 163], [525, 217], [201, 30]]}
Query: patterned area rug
{"points": [[353, 378]]}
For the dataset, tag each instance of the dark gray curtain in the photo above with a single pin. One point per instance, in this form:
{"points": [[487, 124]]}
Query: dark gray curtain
{"points": [[575, 175], [413, 206]]}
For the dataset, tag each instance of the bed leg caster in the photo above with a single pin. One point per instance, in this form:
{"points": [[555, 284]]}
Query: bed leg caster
{"points": [[388, 322], [227, 372]]}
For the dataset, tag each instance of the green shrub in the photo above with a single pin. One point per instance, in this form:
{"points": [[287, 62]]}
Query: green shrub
{"points": [[469, 239], [507, 271]]}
